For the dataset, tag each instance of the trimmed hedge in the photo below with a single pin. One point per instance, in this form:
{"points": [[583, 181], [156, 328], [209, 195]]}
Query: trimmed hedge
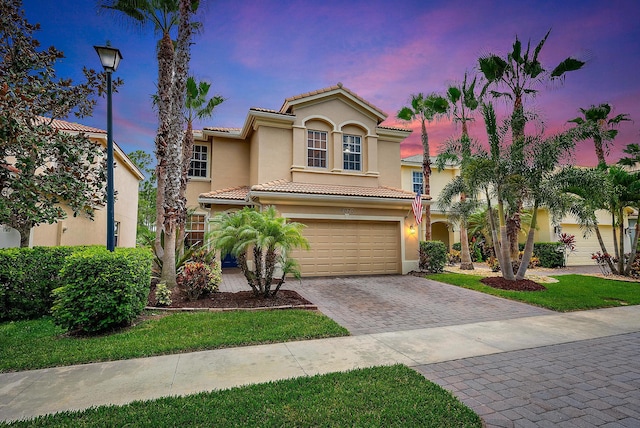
{"points": [[103, 289], [549, 253], [27, 277], [433, 256]]}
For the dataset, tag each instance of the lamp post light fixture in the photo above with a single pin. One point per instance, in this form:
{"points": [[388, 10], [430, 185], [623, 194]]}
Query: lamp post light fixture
{"points": [[110, 58]]}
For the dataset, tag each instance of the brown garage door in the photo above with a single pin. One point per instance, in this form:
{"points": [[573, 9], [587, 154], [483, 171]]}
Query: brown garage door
{"points": [[350, 248]]}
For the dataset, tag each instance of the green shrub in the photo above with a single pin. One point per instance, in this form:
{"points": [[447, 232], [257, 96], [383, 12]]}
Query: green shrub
{"points": [[550, 254], [475, 250], [433, 256], [102, 289], [27, 277], [163, 294]]}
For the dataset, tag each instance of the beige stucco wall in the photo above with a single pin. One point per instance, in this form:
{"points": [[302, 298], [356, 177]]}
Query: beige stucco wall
{"points": [[82, 231]]}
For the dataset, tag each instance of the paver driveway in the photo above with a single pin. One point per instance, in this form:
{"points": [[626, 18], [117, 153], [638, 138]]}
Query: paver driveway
{"points": [[378, 304], [586, 383]]}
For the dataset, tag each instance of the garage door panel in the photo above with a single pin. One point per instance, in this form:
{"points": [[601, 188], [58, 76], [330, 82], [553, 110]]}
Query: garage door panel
{"points": [[350, 248]]}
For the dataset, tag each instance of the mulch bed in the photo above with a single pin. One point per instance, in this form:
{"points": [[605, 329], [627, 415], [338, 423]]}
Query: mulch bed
{"points": [[225, 300], [505, 284]]}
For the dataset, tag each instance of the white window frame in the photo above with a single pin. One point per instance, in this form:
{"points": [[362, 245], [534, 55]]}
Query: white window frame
{"points": [[316, 153], [188, 229], [199, 161], [417, 179], [351, 152], [116, 233]]}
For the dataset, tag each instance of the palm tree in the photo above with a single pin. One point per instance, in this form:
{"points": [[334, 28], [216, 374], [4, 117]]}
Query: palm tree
{"points": [[633, 150], [173, 63], [196, 106], [270, 237], [463, 102], [425, 109], [515, 77], [518, 76], [597, 125]]}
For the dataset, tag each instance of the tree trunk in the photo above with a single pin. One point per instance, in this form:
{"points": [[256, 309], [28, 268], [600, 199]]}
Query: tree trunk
{"points": [[177, 91], [634, 251], [187, 151], [25, 234], [528, 247], [426, 175], [597, 141], [505, 259], [621, 252], [465, 255], [165, 72], [604, 251], [168, 274]]}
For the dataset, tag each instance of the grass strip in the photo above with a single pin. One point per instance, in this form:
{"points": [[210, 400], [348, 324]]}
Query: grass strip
{"points": [[570, 293], [381, 396], [39, 343]]}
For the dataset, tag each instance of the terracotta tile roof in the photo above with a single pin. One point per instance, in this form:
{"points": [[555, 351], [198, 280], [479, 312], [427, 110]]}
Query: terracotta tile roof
{"points": [[220, 129], [63, 125], [285, 186], [234, 193], [267, 110], [394, 128], [329, 89]]}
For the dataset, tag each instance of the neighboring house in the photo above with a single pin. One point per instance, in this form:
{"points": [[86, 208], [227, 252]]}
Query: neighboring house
{"points": [[547, 231], [81, 230], [323, 160]]}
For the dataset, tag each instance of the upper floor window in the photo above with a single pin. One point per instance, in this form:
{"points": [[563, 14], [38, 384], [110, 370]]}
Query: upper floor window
{"points": [[317, 149], [194, 230], [352, 152], [199, 161], [417, 181]]}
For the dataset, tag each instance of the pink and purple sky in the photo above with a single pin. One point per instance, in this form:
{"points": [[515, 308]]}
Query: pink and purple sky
{"points": [[256, 53]]}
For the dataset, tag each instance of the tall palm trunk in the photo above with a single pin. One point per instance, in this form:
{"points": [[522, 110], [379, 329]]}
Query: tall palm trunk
{"points": [[465, 254], [426, 175], [165, 71], [621, 231], [187, 151], [172, 204]]}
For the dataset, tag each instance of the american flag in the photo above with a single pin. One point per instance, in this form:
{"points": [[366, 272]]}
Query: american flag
{"points": [[417, 207]]}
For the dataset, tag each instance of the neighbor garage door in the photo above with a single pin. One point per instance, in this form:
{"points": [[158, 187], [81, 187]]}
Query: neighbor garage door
{"points": [[350, 248]]}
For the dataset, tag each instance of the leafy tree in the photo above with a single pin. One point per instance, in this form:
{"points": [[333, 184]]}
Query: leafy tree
{"points": [[42, 168], [270, 238], [597, 125], [146, 195], [425, 109], [173, 63], [197, 106]]}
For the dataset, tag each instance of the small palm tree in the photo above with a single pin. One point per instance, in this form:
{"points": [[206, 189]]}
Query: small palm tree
{"points": [[597, 125], [196, 106], [269, 236], [425, 109], [463, 102]]}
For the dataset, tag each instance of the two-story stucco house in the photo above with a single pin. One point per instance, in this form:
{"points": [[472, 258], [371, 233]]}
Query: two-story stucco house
{"points": [[81, 230], [323, 160]]}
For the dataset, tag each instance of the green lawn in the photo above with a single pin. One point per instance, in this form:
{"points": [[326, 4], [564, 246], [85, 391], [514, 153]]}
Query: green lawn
{"points": [[570, 293], [39, 343], [381, 397]]}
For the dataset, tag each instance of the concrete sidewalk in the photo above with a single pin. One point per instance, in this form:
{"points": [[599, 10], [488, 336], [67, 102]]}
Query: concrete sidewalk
{"points": [[31, 393]]}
